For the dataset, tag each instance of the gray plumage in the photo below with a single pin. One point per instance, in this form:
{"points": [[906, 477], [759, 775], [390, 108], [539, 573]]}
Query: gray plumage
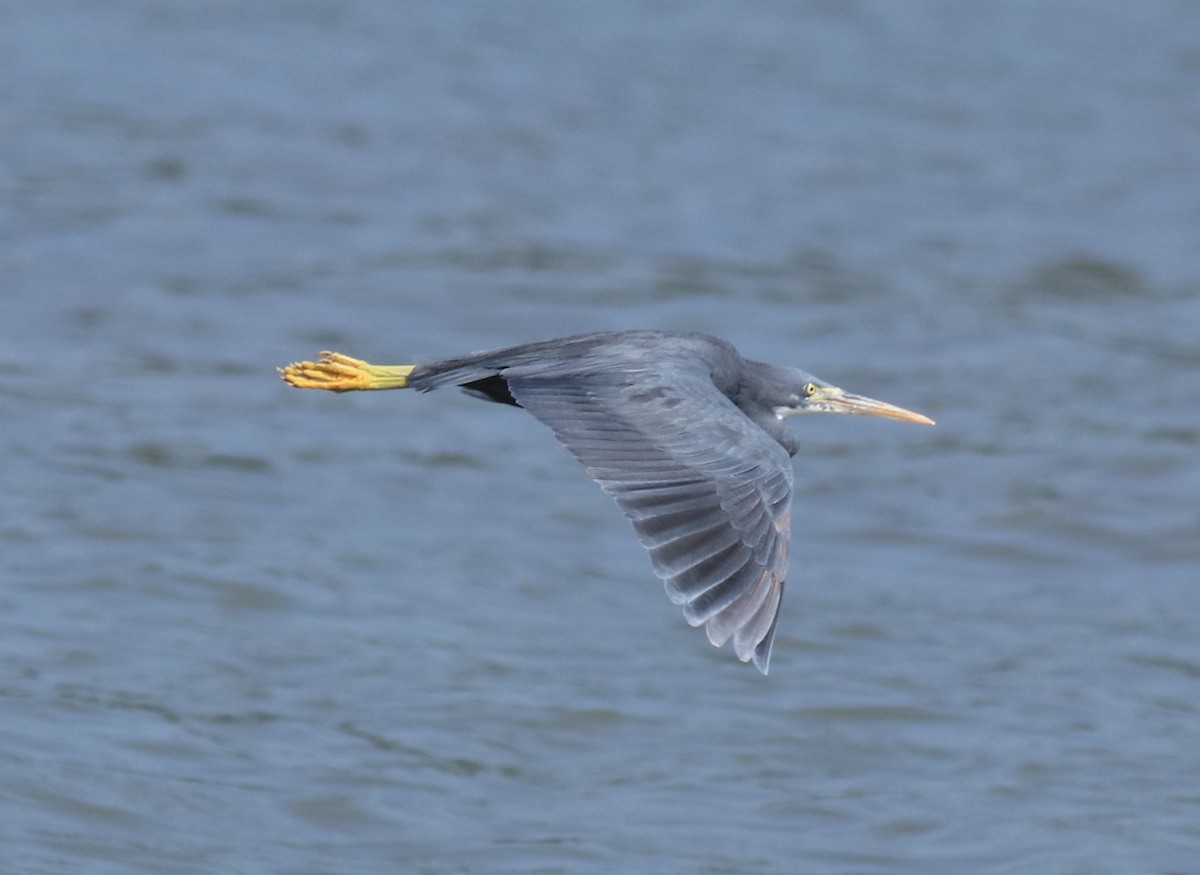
{"points": [[686, 435], [656, 421]]}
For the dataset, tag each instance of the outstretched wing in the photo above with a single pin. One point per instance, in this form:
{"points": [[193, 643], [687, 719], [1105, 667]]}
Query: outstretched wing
{"points": [[708, 491]]}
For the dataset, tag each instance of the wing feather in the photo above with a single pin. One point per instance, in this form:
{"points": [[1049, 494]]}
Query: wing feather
{"points": [[707, 489]]}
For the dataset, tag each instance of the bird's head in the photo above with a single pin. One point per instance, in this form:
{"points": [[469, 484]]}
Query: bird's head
{"points": [[807, 394]]}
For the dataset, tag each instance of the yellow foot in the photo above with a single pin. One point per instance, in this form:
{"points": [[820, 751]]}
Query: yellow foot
{"points": [[340, 373]]}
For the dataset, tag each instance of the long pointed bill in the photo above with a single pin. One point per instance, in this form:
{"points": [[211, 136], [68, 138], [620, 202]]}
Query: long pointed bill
{"points": [[833, 400]]}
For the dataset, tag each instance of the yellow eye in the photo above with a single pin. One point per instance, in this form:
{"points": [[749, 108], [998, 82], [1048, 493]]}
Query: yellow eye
{"points": [[810, 389]]}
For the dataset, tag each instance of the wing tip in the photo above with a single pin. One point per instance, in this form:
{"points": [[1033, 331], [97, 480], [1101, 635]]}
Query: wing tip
{"points": [[761, 657], [748, 646]]}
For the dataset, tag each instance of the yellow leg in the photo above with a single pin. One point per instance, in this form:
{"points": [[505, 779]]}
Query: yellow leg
{"points": [[340, 373]]}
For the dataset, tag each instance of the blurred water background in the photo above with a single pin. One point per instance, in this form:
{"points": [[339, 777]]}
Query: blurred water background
{"points": [[245, 629]]}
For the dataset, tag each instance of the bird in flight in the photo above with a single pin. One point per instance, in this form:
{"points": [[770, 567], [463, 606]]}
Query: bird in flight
{"points": [[686, 435]]}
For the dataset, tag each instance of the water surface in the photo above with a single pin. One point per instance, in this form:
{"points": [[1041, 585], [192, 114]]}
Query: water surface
{"points": [[245, 629]]}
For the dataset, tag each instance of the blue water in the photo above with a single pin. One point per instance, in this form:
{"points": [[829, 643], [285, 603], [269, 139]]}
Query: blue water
{"points": [[245, 629]]}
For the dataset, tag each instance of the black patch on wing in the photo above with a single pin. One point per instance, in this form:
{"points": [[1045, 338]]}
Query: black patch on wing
{"points": [[493, 388]]}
